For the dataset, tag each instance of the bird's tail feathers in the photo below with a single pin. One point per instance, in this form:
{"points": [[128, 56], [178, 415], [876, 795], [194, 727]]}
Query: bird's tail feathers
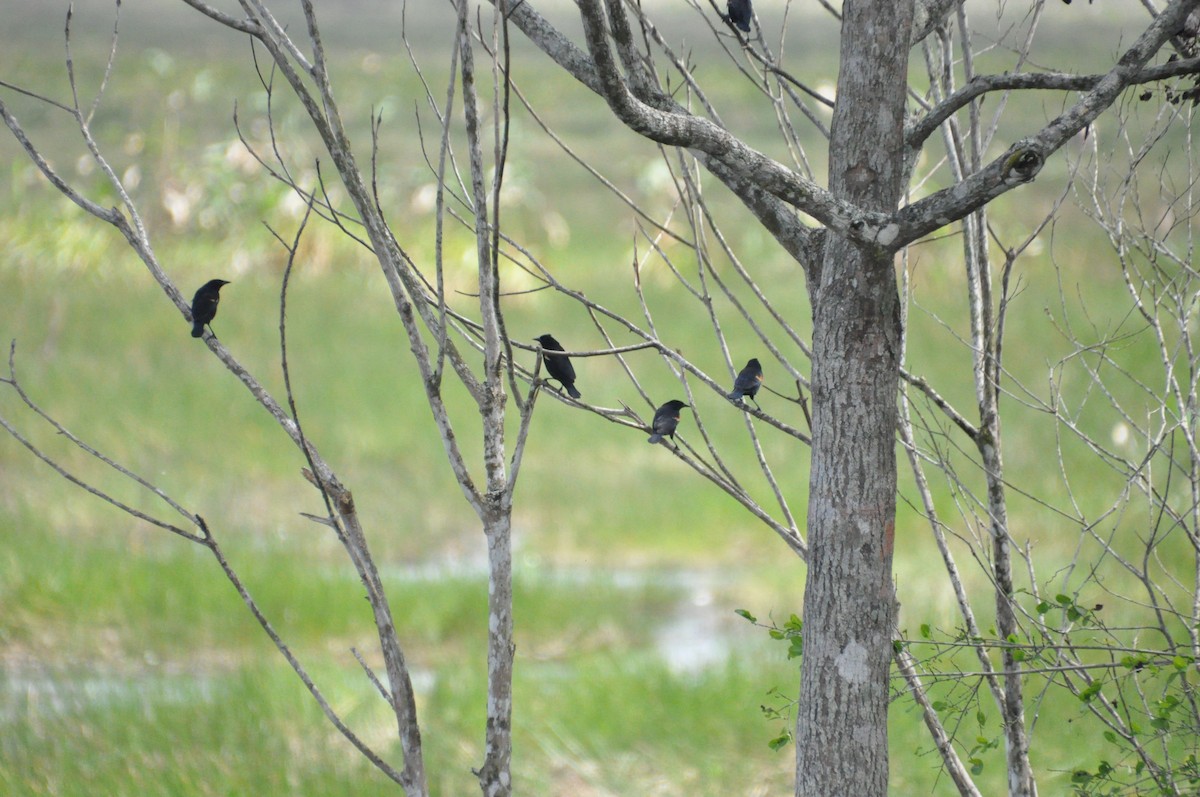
{"points": [[572, 392], [197, 330], [654, 438]]}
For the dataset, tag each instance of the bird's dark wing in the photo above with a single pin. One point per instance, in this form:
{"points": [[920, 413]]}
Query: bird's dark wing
{"points": [[739, 14]]}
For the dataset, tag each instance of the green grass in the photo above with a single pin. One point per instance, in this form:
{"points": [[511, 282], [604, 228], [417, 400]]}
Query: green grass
{"points": [[250, 731]]}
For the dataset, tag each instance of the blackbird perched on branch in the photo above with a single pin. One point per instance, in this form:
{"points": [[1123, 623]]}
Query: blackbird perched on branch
{"points": [[204, 305], [559, 365], [748, 381], [666, 419], [739, 14]]}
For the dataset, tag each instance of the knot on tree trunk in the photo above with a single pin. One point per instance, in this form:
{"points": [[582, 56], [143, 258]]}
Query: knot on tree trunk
{"points": [[1023, 165]]}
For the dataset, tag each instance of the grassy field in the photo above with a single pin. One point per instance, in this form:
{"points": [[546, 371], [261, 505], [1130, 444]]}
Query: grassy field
{"points": [[128, 666]]}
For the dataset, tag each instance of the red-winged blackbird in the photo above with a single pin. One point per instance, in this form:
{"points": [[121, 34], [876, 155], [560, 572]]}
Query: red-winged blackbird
{"points": [[748, 381], [204, 305], [666, 419], [559, 365], [739, 13]]}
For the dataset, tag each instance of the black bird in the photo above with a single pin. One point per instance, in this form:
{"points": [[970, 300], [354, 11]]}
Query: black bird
{"points": [[748, 381], [739, 14], [204, 305], [559, 365], [666, 419]]}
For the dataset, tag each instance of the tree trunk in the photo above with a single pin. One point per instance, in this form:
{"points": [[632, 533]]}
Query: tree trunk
{"points": [[841, 724], [495, 777]]}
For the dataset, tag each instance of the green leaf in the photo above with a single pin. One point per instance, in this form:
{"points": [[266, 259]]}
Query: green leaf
{"points": [[1063, 600], [925, 632], [938, 705], [1091, 691], [1043, 607], [746, 614], [1180, 662], [1110, 736], [976, 766], [780, 741], [775, 633], [1018, 655]]}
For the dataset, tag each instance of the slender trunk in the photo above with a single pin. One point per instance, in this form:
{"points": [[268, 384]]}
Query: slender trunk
{"points": [[986, 344], [404, 703], [841, 726], [1016, 739], [495, 509], [494, 777]]}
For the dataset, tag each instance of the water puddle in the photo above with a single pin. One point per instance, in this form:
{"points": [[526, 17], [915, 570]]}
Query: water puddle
{"points": [[697, 633], [34, 690]]}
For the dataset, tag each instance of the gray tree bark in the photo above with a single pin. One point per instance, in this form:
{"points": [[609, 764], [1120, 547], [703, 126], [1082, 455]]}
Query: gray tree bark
{"points": [[841, 723]]}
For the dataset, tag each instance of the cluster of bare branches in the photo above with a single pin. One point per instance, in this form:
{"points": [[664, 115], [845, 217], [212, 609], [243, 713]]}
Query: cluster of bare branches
{"points": [[1113, 624], [302, 64]]}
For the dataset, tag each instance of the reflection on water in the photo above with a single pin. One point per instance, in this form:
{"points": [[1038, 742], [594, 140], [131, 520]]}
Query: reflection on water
{"points": [[34, 690], [695, 633]]}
